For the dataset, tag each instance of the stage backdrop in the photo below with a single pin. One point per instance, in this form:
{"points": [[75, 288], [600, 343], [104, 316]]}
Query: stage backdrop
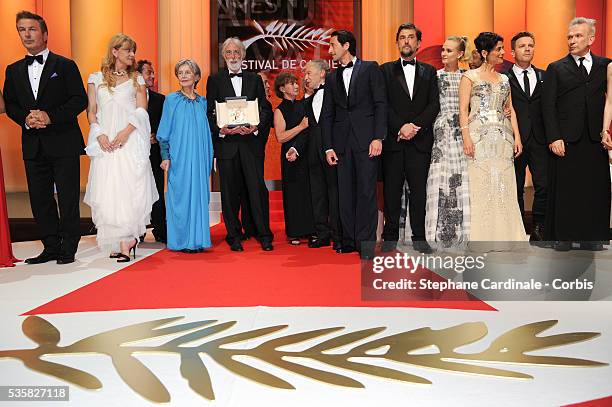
{"points": [[167, 30]]}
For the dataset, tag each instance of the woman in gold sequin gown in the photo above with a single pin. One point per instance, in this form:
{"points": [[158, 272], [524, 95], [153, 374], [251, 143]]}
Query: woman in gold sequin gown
{"points": [[491, 141]]}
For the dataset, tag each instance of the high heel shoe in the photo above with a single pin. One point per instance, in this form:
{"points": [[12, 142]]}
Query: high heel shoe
{"points": [[125, 258]]}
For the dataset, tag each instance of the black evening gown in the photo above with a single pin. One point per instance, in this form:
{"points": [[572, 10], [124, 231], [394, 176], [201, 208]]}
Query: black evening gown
{"points": [[297, 204]]}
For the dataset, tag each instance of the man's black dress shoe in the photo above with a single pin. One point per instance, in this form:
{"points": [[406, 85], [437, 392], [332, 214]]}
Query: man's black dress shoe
{"points": [[236, 247], [422, 246], [267, 246], [65, 260], [562, 246], [537, 234], [591, 246], [346, 249], [317, 243], [388, 246], [42, 258]]}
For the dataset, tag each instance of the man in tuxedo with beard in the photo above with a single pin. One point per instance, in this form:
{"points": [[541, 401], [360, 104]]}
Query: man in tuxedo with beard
{"points": [[526, 86], [354, 121], [237, 149], [44, 94], [413, 104], [573, 99], [323, 177], [154, 109]]}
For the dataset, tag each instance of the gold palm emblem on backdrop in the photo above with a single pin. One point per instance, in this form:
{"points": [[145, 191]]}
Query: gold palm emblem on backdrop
{"points": [[410, 348]]}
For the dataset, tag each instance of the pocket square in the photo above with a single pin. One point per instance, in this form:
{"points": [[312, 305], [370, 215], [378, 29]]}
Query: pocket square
{"points": [[54, 75]]}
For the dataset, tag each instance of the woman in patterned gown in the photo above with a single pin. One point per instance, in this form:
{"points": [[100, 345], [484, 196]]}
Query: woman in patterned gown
{"points": [[491, 142], [447, 217]]}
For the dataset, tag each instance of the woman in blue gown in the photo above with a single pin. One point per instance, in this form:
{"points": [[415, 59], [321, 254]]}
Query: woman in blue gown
{"points": [[187, 155]]}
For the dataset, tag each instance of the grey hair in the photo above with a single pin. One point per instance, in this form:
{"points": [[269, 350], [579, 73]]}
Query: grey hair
{"points": [[320, 64], [195, 68], [236, 41], [583, 20]]}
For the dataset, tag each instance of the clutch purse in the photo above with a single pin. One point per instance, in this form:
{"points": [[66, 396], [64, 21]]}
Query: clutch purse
{"points": [[237, 111]]}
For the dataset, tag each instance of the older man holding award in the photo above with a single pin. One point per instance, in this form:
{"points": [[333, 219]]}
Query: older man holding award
{"points": [[237, 110]]}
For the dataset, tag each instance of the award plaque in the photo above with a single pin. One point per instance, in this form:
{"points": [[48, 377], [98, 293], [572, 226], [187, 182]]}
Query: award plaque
{"points": [[237, 111]]}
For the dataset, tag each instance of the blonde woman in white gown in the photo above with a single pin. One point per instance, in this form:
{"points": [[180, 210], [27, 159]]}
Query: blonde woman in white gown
{"points": [[121, 188]]}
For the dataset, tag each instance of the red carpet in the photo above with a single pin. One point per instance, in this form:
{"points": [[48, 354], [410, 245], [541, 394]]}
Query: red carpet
{"points": [[289, 276]]}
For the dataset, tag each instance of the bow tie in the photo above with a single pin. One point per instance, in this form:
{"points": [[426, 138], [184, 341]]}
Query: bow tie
{"points": [[31, 58], [411, 62], [235, 75], [349, 65], [315, 90]]}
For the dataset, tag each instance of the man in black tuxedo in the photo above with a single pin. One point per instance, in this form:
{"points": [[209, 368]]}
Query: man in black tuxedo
{"points": [[526, 86], [354, 121], [573, 99], [413, 104], [44, 94], [238, 150], [246, 216], [154, 108], [323, 177]]}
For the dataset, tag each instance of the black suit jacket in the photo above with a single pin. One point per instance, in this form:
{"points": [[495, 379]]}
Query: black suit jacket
{"points": [[568, 98], [154, 108], [421, 109], [61, 95], [315, 149], [528, 108], [363, 112], [218, 87]]}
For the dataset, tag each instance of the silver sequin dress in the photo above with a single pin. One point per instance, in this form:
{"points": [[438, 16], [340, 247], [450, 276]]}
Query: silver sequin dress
{"points": [[494, 210], [447, 219]]}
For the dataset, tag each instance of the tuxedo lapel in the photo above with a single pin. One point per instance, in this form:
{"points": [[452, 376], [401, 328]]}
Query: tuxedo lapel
{"points": [[596, 66], [538, 85], [24, 82], [572, 66], [48, 70], [353, 81], [341, 89], [514, 81], [227, 83], [419, 73], [398, 72]]}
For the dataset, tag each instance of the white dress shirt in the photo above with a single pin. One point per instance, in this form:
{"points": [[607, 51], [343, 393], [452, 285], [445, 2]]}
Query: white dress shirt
{"points": [[588, 61], [317, 102], [346, 75], [409, 73], [531, 76], [237, 83], [35, 71]]}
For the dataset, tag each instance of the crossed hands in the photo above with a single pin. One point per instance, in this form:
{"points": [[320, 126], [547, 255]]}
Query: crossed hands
{"points": [[37, 119], [242, 130], [408, 131], [119, 141]]}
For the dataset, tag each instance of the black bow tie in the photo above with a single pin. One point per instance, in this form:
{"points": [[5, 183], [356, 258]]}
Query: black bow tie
{"points": [[235, 75], [411, 62], [31, 58], [349, 65], [315, 90]]}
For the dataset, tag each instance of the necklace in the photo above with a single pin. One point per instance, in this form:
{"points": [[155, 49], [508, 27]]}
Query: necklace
{"points": [[190, 97], [120, 73]]}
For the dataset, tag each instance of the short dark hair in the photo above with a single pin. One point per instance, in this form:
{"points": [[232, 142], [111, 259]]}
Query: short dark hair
{"points": [[487, 41], [519, 35], [281, 80], [141, 63], [409, 26], [28, 15], [345, 36]]}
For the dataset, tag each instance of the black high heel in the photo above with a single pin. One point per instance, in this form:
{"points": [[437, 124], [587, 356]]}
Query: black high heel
{"points": [[123, 258]]}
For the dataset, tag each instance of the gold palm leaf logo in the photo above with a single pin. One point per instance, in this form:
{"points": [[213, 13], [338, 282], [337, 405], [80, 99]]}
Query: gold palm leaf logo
{"points": [[340, 350]]}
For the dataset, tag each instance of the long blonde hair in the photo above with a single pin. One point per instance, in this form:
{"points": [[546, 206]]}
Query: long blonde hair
{"points": [[464, 46], [108, 63]]}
